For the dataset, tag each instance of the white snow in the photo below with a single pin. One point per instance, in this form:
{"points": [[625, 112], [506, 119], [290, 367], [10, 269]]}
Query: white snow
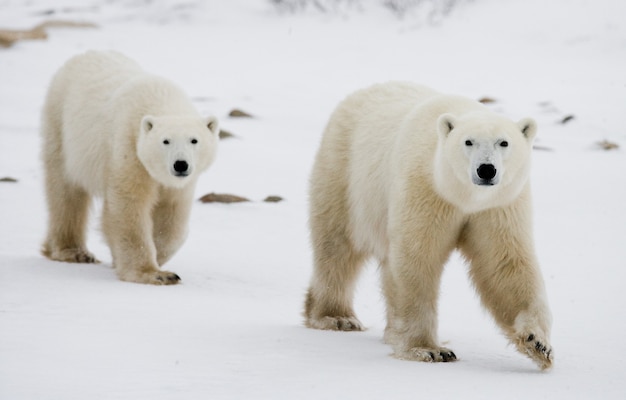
{"points": [[232, 329]]}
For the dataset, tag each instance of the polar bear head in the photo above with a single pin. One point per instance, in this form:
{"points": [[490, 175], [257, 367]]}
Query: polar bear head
{"points": [[482, 159], [175, 150]]}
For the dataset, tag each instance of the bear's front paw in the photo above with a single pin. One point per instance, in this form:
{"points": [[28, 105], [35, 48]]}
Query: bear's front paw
{"points": [[335, 323], [438, 354], [538, 349], [166, 278], [153, 277]]}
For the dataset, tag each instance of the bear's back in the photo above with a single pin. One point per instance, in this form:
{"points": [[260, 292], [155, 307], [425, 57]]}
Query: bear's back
{"points": [[365, 122], [364, 131], [91, 76], [82, 91]]}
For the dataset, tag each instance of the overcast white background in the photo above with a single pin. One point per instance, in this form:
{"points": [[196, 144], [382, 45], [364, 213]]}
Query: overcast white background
{"points": [[233, 328]]}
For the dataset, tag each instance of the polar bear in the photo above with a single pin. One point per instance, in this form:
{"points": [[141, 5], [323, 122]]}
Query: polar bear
{"points": [[406, 175], [113, 131]]}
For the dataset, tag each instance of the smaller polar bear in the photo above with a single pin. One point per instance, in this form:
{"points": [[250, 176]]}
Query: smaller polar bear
{"points": [[114, 131], [406, 175]]}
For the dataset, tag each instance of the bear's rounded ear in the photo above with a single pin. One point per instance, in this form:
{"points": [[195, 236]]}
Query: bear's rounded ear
{"points": [[528, 126], [213, 125], [445, 124], [147, 123]]}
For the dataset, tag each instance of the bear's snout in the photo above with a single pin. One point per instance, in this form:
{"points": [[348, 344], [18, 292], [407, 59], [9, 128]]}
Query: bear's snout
{"points": [[181, 167], [486, 172]]}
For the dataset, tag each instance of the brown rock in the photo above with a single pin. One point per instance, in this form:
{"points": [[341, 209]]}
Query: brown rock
{"points": [[273, 199], [237, 113], [606, 145], [224, 134], [222, 198], [487, 100], [8, 36]]}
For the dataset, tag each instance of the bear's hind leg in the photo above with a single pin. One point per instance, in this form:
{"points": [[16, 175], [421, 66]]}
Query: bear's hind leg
{"points": [[336, 260], [67, 227], [68, 211], [336, 268]]}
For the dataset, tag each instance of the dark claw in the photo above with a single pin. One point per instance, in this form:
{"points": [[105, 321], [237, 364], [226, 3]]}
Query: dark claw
{"points": [[448, 356], [84, 258], [432, 355], [531, 337], [170, 278]]}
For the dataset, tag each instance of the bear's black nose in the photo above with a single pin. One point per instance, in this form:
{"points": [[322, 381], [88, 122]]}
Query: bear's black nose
{"points": [[181, 166], [486, 171]]}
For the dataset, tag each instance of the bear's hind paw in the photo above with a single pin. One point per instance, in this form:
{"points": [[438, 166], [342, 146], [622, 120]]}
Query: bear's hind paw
{"points": [[440, 354], [335, 323], [73, 255]]}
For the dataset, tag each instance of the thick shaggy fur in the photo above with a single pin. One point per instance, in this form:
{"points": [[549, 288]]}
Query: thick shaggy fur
{"points": [[395, 178], [113, 131]]}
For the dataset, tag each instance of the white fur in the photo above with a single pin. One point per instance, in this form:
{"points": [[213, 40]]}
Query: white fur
{"points": [[395, 179], [105, 126], [163, 141], [456, 161]]}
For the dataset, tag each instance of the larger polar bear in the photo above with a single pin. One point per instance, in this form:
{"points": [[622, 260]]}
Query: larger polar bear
{"points": [[114, 131], [407, 175]]}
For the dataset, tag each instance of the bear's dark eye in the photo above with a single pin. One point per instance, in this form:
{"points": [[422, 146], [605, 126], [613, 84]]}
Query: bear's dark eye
{"points": [[469, 143], [166, 142], [194, 141], [504, 143]]}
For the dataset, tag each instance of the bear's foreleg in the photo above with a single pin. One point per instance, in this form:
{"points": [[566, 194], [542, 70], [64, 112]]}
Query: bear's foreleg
{"points": [[504, 270], [411, 287], [171, 218], [127, 226], [423, 231]]}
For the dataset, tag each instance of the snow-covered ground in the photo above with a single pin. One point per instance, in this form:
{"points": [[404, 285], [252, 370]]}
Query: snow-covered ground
{"points": [[233, 328]]}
